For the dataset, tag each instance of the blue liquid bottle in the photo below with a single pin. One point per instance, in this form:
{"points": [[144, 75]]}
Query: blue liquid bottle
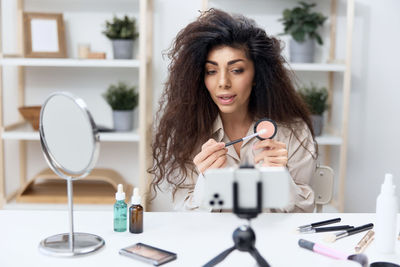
{"points": [[120, 211]]}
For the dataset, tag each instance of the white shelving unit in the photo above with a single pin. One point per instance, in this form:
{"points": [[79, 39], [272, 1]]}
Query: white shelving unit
{"points": [[318, 67], [329, 140], [338, 137], [23, 132], [67, 62]]}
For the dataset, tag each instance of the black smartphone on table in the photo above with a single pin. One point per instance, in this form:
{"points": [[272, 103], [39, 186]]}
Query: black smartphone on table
{"points": [[149, 254]]}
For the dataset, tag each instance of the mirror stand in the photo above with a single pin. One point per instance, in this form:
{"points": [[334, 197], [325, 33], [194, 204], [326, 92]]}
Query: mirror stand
{"points": [[71, 244], [70, 144]]}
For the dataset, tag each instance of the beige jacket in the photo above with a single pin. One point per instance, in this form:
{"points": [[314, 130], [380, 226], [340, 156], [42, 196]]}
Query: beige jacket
{"points": [[301, 165]]}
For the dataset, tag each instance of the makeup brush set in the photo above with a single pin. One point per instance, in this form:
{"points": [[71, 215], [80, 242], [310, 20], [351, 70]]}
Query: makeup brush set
{"points": [[344, 230]]}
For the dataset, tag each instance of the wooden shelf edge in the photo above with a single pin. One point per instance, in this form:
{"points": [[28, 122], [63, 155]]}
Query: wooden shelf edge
{"points": [[23, 131], [98, 187], [69, 62]]}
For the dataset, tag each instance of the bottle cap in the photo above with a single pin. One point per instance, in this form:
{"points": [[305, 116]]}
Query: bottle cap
{"points": [[388, 187], [136, 197], [120, 195]]}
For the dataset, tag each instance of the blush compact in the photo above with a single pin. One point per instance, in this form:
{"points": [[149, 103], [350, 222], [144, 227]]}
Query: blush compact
{"points": [[269, 127]]}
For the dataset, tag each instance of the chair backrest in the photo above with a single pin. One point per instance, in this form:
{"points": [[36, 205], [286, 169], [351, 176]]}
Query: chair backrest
{"points": [[322, 184]]}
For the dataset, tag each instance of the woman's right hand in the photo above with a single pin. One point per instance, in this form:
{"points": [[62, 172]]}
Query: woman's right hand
{"points": [[211, 156]]}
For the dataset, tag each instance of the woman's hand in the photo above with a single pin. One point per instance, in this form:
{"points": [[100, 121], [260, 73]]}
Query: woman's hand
{"points": [[273, 153], [211, 156]]}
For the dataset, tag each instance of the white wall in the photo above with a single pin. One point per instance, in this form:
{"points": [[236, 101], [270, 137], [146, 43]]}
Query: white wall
{"points": [[374, 126], [374, 129]]}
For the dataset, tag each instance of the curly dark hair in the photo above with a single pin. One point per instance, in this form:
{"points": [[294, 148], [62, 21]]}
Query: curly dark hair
{"points": [[187, 111]]}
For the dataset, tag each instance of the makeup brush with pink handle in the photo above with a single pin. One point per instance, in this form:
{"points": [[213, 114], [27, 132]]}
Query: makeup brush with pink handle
{"points": [[333, 253]]}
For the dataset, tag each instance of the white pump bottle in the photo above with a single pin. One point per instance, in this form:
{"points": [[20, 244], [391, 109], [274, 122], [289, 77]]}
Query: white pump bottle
{"points": [[386, 217]]}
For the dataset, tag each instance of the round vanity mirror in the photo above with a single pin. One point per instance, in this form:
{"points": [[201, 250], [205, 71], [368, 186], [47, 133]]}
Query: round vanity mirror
{"points": [[68, 135], [70, 144]]}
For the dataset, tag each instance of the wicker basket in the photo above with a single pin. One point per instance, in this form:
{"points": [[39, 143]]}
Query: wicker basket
{"points": [[31, 114]]}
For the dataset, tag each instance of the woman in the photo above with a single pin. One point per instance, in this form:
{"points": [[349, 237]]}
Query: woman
{"points": [[225, 74]]}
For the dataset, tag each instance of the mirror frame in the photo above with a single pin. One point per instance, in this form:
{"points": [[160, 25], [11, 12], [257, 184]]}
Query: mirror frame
{"points": [[58, 168]]}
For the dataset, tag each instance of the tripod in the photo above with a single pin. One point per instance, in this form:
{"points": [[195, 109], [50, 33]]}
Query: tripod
{"points": [[243, 237]]}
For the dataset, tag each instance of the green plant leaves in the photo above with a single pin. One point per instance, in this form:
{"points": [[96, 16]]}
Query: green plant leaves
{"points": [[121, 97], [301, 23], [299, 36], [124, 28], [315, 98]]}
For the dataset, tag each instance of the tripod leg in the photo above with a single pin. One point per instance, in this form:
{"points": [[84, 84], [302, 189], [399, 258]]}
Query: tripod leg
{"points": [[220, 257], [260, 260]]}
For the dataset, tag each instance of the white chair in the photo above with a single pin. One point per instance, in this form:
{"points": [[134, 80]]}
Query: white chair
{"points": [[322, 184]]}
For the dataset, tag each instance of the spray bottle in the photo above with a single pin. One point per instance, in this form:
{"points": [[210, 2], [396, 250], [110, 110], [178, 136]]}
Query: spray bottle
{"points": [[120, 210], [136, 213], [386, 217]]}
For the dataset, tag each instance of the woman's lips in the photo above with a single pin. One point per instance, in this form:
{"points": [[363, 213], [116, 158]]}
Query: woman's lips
{"points": [[226, 99]]}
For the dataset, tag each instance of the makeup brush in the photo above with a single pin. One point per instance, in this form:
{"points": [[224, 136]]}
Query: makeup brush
{"points": [[262, 131], [308, 227], [365, 241], [326, 229], [332, 253], [333, 237]]}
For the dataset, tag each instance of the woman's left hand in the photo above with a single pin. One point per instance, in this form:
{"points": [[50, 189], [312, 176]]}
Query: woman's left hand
{"points": [[273, 153]]}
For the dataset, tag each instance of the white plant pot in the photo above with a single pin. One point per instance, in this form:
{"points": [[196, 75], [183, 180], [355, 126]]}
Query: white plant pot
{"points": [[302, 52], [122, 49], [318, 124], [123, 120]]}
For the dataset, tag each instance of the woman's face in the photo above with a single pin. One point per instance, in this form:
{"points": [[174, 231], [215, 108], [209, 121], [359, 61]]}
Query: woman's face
{"points": [[229, 78]]}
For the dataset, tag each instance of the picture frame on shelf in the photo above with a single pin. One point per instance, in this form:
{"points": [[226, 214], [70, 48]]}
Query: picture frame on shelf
{"points": [[44, 35]]}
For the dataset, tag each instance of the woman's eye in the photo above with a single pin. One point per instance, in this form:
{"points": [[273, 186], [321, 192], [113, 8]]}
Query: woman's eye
{"points": [[210, 72], [237, 71]]}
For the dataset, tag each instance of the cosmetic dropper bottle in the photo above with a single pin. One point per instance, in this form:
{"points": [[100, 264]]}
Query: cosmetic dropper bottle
{"points": [[136, 214], [120, 210], [386, 216]]}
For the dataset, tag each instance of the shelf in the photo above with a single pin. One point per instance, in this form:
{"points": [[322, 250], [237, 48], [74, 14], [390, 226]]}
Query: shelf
{"points": [[98, 187], [25, 132], [68, 62], [134, 63], [317, 67], [120, 137], [329, 140]]}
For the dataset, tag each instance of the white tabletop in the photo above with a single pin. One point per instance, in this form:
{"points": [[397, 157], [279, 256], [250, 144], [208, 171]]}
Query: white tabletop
{"points": [[195, 237]]}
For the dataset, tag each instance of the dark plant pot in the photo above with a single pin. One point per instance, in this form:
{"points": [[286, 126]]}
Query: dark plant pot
{"points": [[317, 123], [123, 120], [302, 52], [122, 49]]}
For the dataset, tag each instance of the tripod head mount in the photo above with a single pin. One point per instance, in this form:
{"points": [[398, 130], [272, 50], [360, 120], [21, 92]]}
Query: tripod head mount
{"points": [[244, 238]]}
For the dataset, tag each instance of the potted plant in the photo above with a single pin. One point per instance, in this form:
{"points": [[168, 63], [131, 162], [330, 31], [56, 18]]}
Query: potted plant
{"points": [[123, 100], [122, 33], [302, 25], [316, 100]]}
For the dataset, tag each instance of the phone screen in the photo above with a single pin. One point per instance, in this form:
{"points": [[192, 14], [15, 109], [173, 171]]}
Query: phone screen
{"points": [[148, 253]]}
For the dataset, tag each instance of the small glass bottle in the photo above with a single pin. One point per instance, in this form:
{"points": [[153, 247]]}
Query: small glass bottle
{"points": [[120, 210], [136, 214]]}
